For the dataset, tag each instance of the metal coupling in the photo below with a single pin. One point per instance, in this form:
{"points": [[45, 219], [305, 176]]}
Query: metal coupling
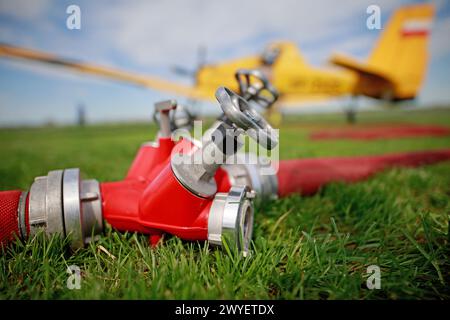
{"points": [[231, 219], [250, 170], [63, 203]]}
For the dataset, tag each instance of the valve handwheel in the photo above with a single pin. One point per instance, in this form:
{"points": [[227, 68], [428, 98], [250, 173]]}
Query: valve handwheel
{"points": [[254, 86], [243, 116]]}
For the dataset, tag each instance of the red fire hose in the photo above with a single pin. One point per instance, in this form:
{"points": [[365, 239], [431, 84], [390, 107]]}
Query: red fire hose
{"points": [[307, 176], [9, 225]]}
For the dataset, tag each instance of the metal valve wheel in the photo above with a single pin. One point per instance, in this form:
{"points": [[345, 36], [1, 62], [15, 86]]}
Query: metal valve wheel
{"points": [[238, 111], [254, 86]]}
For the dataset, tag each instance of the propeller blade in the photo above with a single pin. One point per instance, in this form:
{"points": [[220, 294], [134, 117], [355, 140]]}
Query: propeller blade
{"points": [[183, 71]]}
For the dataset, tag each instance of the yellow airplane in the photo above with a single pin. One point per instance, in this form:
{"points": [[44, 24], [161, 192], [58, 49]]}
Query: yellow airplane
{"points": [[394, 70]]}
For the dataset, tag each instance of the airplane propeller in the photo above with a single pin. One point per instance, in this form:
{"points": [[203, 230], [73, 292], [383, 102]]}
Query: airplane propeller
{"points": [[192, 73]]}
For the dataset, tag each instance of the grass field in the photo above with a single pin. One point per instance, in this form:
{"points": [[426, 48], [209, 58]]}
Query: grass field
{"points": [[304, 248]]}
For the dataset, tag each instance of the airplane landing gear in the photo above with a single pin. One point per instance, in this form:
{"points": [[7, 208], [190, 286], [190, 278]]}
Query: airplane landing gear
{"points": [[350, 111], [350, 115]]}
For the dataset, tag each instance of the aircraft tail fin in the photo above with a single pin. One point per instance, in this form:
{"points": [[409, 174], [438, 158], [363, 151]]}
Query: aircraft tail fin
{"points": [[402, 50], [400, 57]]}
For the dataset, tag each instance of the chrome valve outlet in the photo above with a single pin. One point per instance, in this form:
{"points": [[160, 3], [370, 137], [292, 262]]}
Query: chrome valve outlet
{"points": [[231, 219]]}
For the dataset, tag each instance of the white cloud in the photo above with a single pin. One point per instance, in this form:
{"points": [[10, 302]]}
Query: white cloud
{"points": [[164, 32]]}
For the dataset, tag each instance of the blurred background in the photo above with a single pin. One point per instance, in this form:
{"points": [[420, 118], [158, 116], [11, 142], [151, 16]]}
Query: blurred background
{"points": [[170, 39]]}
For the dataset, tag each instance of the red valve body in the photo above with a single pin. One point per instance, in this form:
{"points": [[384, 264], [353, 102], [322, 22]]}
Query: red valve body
{"points": [[154, 208], [222, 180], [149, 159], [150, 199]]}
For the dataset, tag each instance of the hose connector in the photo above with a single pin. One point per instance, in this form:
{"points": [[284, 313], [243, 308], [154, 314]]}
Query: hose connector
{"points": [[63, 203], [231, 219], [255, 172]]}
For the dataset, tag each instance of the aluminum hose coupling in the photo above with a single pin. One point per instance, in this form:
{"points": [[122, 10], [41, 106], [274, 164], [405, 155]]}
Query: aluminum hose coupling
{"points": [[256, 172], [62, 203], [230, 219]]}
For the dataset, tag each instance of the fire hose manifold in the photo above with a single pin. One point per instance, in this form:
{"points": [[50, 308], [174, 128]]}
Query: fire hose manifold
{"points": [[63, 203], [167, 191]]}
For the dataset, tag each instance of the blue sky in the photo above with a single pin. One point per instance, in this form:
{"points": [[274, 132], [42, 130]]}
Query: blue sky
{"points": [[150, 37]]}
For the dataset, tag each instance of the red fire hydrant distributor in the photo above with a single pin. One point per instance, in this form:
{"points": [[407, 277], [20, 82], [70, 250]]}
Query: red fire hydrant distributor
{"points": [[165, 191]]}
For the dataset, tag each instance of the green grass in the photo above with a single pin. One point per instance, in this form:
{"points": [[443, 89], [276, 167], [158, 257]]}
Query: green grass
{"points": [[304, 247]]}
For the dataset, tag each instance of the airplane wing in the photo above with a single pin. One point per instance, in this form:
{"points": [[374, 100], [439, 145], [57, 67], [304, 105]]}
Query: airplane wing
{"points": [[300, 100], [124, 76]]}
